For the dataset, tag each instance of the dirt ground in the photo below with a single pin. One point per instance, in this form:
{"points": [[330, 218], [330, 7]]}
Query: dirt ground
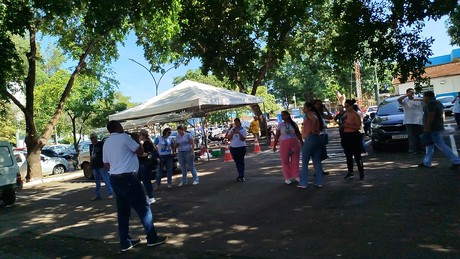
{"points": [[398, 211]]}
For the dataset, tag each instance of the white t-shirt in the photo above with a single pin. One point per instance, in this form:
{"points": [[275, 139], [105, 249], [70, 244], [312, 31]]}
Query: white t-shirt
{"points": [[164, 145], [236, 141], [118, 151], [456, 108], [413, 111]]}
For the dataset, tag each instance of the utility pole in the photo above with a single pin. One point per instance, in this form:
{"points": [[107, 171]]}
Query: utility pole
{"points": [[157, 83]]}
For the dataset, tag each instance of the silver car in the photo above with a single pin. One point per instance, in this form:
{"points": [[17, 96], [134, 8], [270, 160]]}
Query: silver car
{"points": [[50, 165]]}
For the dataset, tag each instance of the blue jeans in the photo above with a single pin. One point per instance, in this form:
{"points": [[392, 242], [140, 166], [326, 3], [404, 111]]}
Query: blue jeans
{"points": [[439, 143], [312, 148], [101, 173], [168, 162], [238, 154], [145, 175], [129, 194], [186, 162]]}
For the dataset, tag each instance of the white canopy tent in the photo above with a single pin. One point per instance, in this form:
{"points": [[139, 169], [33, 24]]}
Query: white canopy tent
{"points": [[188, 97]]}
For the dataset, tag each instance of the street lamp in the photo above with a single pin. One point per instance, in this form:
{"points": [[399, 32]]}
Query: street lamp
{"points": [[157, 83]]}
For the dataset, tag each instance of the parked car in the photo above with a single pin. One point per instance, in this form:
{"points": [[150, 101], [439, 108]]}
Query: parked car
{"points": [[50, 165], [371, 109], [10, 178], [447, 102], [387, 127]]}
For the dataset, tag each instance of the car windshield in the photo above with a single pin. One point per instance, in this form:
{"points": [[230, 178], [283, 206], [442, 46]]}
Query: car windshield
{"points": [[389, 108]]}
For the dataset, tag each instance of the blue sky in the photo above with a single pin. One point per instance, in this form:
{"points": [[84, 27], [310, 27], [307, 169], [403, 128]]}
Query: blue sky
{"points": [[137, 83]]}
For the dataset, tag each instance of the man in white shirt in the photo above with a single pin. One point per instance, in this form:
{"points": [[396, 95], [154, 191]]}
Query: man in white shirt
{"points": [[120, 160], [456, 110], [413, 119]]}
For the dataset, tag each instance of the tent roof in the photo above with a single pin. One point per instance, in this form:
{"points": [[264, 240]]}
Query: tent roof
{"points": [[190, 97]]}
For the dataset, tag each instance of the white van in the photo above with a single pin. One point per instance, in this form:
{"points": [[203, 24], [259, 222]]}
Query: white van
{"points": [[10, 178]]}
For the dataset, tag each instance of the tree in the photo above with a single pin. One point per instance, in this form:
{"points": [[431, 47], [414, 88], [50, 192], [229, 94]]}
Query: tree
{"points": [[86, 96], [386, 33], [238, 40], [453, 26], [88, 32], [114, 103], [8, 123]]}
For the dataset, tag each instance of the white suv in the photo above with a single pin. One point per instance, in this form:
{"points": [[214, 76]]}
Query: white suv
{"points": [[10, 179]]}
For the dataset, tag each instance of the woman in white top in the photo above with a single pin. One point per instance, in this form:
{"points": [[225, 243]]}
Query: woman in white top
{"points": [[237, 137]]}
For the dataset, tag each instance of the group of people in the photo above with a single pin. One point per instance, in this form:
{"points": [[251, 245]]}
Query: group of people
{"points": [[311, 141], [424, 121], [124, 161]]}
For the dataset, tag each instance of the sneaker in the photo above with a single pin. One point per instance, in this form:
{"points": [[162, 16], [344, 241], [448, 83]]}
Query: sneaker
{"points": [[288, 181], [195, 182], [133, 244], [454, 166], [159, 241], [349, 176], [422, 165], [240, 179], [297, 179], [110, 196], [95, 198], [301, 186], [169, 186], [151, 200], [181, 184]]}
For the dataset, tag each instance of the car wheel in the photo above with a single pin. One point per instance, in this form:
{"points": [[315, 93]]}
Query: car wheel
{"points": [[9, 196], [59, 169], [87, 171]]}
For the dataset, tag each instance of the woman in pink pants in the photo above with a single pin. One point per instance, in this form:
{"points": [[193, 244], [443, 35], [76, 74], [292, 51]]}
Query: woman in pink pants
{"points": [[290, 140]]}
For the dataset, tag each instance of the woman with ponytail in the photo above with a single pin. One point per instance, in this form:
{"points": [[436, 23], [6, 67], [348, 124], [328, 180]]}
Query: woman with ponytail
{"points": [[312, 147], [290, 139]]}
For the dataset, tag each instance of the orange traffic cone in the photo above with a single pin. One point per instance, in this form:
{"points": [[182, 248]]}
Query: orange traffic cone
{"points": [[256, 147], [228, 157], [272, 142]]}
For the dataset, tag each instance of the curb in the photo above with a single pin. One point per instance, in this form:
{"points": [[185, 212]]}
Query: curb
{"points": [[55, 178]]}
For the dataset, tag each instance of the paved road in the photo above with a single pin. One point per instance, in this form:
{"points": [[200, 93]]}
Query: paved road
{"points": [[398, 211]]}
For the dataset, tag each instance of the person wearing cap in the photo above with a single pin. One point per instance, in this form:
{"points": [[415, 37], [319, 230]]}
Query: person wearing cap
{"points": [[120, 160], [146, 164], [97, 166]]}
